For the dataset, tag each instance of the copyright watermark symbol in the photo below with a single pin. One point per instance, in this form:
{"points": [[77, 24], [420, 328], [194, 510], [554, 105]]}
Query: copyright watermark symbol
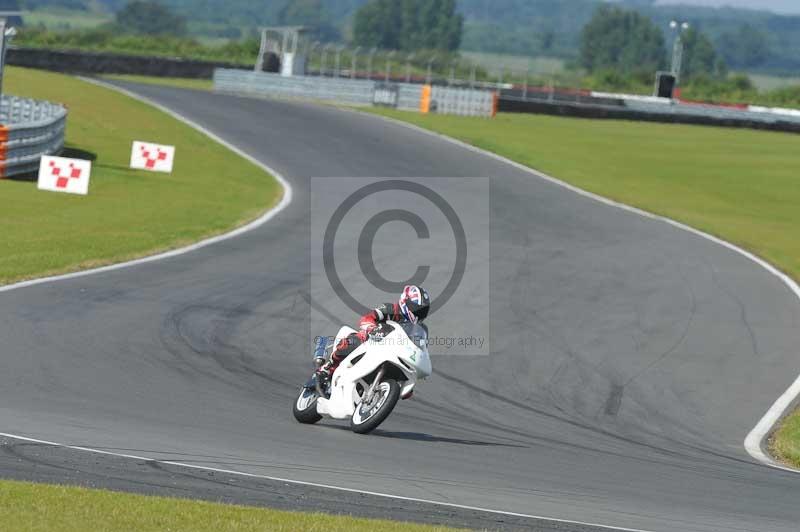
{"points": [[372, 237]]}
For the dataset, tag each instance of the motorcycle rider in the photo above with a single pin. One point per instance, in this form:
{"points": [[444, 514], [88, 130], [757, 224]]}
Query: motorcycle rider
{"points": [[412, 306]]}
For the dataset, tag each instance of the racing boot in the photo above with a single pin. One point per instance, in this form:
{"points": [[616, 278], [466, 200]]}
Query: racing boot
{"points": [[325, 372]]}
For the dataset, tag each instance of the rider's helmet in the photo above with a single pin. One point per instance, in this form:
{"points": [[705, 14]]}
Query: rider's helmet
{"points": [[414, 303]]}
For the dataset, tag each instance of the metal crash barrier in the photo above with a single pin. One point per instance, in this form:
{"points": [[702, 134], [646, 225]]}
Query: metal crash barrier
{"points": [[406, 96], [30, 129]]}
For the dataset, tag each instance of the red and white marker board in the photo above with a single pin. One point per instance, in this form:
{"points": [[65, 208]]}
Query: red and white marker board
{"points": [[153, 157], [59, 174]]}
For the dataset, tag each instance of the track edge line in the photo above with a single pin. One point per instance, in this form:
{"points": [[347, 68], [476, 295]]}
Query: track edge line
{"points": [[318, 485], [755, 439]]}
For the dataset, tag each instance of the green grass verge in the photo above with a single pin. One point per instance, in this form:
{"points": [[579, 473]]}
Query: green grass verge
{"points": [[181, 83], [785, 443], [127, 213], [64, 19], [40, 508], [741, 185]]}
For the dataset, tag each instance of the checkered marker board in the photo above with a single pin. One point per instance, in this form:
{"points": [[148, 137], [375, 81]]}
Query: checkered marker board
{"points": [[153, 157], [60, 174]]}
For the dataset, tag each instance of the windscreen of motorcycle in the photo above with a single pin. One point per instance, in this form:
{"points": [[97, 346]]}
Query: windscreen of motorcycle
{"points": [[419, 338]]}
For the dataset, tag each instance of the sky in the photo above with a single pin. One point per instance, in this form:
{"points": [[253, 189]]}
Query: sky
{"points": [[780, 6]]}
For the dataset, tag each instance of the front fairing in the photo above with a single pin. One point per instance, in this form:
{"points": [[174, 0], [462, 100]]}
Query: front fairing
{"points": [[414, 350]]}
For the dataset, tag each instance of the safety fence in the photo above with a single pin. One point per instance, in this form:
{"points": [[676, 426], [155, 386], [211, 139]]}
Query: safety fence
{"points": [[30, 129], [407, 96]]}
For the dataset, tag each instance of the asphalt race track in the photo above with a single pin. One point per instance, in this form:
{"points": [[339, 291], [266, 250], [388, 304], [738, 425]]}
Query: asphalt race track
{"points": [[629, 359]]}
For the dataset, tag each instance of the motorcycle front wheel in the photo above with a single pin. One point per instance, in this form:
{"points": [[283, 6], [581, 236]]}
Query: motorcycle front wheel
{"points": [[369, 415], [305, 407]]}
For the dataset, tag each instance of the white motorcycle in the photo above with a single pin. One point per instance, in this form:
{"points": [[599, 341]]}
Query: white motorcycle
{"points": [[367, 384]]}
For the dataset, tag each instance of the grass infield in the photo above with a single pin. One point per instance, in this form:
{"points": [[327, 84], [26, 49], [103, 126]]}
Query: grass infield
{"points": [[785, 443], [128, 213], [741, 185], [43, 508]]}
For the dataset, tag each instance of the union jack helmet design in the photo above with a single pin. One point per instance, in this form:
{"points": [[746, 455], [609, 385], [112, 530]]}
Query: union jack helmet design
{"points": [[415, 303]]}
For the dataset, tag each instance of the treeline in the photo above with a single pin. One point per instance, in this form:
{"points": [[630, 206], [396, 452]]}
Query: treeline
{"points": [[408, 25], [106, 40], [745, 39], [618, 48], [234, 19], [628, 43], [405, 25], [622, 49]]}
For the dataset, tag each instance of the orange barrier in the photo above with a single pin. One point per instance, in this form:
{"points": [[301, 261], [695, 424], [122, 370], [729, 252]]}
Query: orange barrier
{"points": [[425, 99]]}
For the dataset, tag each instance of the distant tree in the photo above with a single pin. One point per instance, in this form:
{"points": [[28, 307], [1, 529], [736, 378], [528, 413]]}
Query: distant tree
{"points": [[372, 25], [310, 13], [699, 56], [409, 25], [745, 47], [9, 5], [150, 18], [449, 27], [546, 40], [622, 40]]}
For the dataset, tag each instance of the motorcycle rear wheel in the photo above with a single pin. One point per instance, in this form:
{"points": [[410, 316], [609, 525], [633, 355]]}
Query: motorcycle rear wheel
{"points": [[367, 417], [305, 407]]}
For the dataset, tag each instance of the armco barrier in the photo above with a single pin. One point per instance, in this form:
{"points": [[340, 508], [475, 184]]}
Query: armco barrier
{"points": [[30, 129], [408, 96], [715, 113], [645, 110]]}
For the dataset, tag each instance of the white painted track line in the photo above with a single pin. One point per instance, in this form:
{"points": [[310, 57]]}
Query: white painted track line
{"points": [[318, 485]]}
